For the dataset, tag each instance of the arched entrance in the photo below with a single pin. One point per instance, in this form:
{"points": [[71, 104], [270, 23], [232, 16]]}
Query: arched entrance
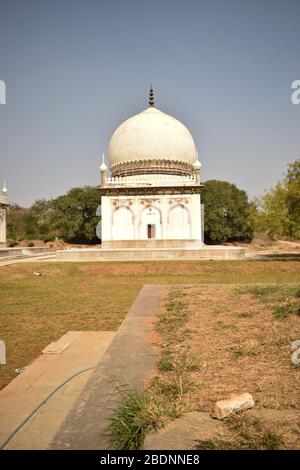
{"points": [[150, 224]]}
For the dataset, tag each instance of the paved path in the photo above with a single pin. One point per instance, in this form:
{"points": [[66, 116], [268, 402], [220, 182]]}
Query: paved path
{"points": [[76, 350], [129, 359], [27, 259]]}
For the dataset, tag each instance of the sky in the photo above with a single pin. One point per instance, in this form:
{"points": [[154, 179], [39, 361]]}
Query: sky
{"points": [[76, 69]]}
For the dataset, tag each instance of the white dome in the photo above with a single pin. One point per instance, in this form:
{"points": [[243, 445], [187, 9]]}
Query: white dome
{"points": [[151, 136]]}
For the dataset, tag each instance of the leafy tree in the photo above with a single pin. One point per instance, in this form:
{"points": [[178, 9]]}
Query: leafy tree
{"points": [[15, 222], [73, 215], [31, 226], [40, 213], [278, 210], [292, 185], [32, 223], [226, 213]]}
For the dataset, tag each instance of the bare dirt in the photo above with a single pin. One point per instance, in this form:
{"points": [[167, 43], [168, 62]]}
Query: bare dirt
{"points": [[263, 245], [240, 345], [241, 348]]}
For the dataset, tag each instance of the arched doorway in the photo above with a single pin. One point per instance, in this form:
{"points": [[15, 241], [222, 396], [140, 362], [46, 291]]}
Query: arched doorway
{"points": [[150, 224]]}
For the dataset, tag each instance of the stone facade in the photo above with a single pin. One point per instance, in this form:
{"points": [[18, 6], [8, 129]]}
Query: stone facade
{"points": [[3, 209], [158, 217]]}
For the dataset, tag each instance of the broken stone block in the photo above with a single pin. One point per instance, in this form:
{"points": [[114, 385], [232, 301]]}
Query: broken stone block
{"points": [[235, 402]]}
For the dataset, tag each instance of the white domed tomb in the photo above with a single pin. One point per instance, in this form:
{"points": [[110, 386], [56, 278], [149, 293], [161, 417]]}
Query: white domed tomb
{"points": [[153, 195]]}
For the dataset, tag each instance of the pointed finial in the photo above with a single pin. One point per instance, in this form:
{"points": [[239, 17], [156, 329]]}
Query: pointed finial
{"points": [[103, 166], [197, 165], [4, 189], [151, 96]]}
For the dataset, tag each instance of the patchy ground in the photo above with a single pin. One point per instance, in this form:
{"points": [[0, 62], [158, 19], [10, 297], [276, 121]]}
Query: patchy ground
{"points": [[259, 244], [243, 346], [263, 245], [238, 339], [96, 296]]}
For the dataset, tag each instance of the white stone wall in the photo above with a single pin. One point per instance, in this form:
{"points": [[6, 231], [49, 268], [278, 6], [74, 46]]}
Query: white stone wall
{"points": [[175, 217], [2, 226]]}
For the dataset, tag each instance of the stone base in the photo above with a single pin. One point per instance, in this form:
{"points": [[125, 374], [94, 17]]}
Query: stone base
{"points": [[151, 254], [151, 243], [21, 251]]}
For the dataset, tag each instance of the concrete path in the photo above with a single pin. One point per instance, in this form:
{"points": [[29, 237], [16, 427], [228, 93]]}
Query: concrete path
{"points": [[27, 259], [129, 360], [76, 350]]}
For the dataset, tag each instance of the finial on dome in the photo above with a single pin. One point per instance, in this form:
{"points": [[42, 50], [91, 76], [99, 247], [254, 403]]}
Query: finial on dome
{"points": [[151, 96], [103, 166], [197, 165], [4, 189], [103, 169]]}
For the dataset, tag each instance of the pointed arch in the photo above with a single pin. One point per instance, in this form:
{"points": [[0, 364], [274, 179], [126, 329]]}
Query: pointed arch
{"points": [[179, 222]]}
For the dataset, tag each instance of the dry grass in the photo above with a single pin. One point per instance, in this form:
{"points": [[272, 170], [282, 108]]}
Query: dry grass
{"points": [[96, 296], [258, 430], [239, 344], [242, 347]]}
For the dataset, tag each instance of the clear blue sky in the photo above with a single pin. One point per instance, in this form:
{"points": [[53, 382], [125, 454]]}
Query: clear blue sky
{"points": [[75, 69]]}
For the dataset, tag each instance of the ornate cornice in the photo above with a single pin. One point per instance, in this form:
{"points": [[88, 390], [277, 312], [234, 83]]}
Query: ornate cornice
{"points": [[154, 166], [152, 190]]}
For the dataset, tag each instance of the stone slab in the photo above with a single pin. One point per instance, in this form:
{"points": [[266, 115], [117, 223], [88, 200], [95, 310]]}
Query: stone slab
{"points": [[19, 397], [57, 347], [183, 433], [127, 362]]}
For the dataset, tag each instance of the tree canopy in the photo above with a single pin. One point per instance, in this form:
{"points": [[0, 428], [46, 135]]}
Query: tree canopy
{"points": [[278, 210], [74, 215], [71, 217], [226, 213]]}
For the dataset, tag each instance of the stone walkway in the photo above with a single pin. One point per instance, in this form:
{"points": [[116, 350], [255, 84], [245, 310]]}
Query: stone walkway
{"points": [[76, 416], [76, 350], [27, 259], [128, 361]]}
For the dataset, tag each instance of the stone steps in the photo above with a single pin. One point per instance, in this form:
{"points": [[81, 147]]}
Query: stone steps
{"points": [[154, 254]]}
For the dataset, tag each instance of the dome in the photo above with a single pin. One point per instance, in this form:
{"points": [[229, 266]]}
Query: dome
{"points": [[154, 142]]}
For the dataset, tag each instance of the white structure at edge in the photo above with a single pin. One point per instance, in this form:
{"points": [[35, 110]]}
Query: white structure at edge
{"points": [[3, 209], [154, 189]]}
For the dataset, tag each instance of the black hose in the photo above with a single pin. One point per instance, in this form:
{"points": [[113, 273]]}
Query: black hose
{"points": [[34, 410]]}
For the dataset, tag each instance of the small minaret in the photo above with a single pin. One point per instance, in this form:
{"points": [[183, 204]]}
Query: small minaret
{"points": [[197, 168], [151, 97], [3, 209], [103, 169], [4, 191]]}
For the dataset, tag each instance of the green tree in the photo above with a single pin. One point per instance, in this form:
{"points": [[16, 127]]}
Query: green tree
{"points": [[278, 210], [226, 213], [41, 215], [15, 222], [74, 216], [292, 185]]}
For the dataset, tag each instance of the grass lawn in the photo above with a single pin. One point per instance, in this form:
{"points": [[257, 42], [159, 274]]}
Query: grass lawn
{"points": [[215, 340], [96, 296]]}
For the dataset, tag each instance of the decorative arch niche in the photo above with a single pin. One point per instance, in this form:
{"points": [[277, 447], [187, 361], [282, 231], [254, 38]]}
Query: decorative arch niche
{"points": [[179, 222], [123, 223]]}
